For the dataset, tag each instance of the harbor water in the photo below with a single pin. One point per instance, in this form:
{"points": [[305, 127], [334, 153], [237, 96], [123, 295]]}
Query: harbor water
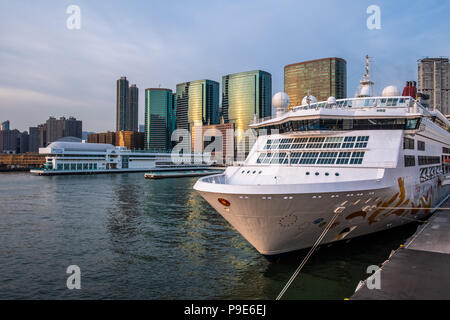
{"points": [[134, 238]]}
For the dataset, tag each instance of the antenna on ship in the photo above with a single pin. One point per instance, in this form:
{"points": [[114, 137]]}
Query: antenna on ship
{"points": [[365, 84]]}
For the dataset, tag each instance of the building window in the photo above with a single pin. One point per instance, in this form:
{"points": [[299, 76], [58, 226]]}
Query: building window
{"points": [[410, 161], [408, 144], [420, 145], [425, 160]]}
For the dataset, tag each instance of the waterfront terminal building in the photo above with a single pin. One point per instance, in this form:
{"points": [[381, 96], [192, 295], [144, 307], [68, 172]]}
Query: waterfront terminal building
{"points": [[68, 157]]}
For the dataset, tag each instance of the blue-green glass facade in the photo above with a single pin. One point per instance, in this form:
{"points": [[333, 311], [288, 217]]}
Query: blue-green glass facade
{"points": [[244, 96], [159, 118], [197, 103]]}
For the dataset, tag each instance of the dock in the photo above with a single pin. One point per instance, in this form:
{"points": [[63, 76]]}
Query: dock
{"points": [[180, 174], [419, 270]]}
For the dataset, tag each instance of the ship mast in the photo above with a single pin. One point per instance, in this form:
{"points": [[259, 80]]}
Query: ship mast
{"points": [[365, 84]]}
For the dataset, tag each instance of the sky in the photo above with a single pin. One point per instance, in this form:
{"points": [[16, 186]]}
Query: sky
{"points": [[47, 69]]}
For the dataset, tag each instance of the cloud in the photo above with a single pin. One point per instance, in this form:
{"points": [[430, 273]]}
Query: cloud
{"points": [[158, 43]]}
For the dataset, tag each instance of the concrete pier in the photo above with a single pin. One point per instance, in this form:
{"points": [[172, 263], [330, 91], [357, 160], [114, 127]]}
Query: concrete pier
{"points": [[419, 270]]}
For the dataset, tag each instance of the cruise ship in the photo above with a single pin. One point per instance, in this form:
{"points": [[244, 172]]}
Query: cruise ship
{"points": [[70, 157], [351, 166]]}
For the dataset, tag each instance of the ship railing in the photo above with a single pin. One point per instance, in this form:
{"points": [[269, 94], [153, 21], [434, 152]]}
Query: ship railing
{"points": [[357, 103]]}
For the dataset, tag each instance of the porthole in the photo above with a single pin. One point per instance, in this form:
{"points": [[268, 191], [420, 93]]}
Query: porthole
{"points": [[248, 171], [336, 174], [327, 174], [260, 172], [317, 173], [307, 173], [254, 172]]}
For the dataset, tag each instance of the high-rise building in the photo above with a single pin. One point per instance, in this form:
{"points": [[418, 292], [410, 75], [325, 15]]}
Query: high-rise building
{"points": [[122, 104], [54, 129], [4, 125], [133, 108], [127, 106], [197, 104], [159, 118], [33, 139], [62, 127], [24, 142], [322, 78], [9, 141], [246, 96], [433, 76]]}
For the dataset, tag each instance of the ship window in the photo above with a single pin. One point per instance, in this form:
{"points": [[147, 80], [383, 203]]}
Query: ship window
{"points": [[295, 157], [317, 173], [309, 158], [327, 174], [343, 124], [344, 158], [308, 173], [279, 158], [410, 161], [315, 143], [336, 174], [286, 144], [357, 158], [349, 142], [260, 158], [327, 158], [95, 166], [267, 158], [333, 142]]}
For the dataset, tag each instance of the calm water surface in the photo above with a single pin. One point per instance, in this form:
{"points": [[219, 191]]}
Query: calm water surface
{"points": [[152, 239]]}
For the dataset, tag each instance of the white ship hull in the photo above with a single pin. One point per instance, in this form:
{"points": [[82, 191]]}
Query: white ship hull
{"points": [[277, 223], [380, 168]]}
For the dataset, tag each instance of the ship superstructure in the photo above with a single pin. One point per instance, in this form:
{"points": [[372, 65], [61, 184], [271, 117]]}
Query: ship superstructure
{"points": [[378, 162]]}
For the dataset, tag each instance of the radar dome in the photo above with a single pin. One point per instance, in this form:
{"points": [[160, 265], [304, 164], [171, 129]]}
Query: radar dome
{"points": [[391, 91], [331, 100], [281, 101], [312, 99]]}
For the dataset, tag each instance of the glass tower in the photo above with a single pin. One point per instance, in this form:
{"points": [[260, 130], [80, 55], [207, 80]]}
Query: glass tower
{"points": [[159, 118], [246, 95], [197, 104], [324, 78]]}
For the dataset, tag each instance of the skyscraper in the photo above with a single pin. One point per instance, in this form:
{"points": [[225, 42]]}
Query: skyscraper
{"points": [[246, 95], [434, 81], [122, 104], [127, 106], [197, 104], [159, 118], [4, 125], [324, 78], [33, 140], [133, 108]]}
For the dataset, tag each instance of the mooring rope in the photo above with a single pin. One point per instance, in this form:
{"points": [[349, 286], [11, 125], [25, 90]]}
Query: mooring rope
{"points": [[311, 251]]}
